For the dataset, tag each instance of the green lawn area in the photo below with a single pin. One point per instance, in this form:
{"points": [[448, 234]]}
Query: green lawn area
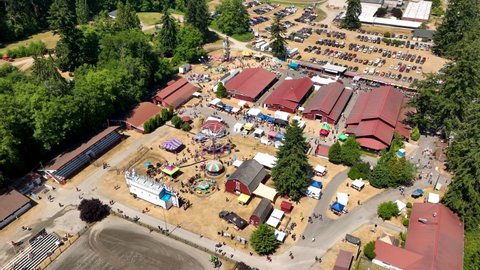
{"points": [[149, 18], [245, 37], [370, 154], [365, 264], [46, 37]]}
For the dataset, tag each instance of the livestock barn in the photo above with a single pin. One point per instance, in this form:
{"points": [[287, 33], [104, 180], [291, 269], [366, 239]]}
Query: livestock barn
{"points": [[289, 95], [175, 94], [143, 112], [263, 210], [246, 178], [250, 84], [328, 103]]}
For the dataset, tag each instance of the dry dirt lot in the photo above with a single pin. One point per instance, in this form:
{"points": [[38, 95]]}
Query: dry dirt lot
{"points": [[202, 216]]}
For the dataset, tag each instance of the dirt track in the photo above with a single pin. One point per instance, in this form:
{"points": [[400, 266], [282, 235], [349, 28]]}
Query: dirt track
{"points": [[118, 244]]}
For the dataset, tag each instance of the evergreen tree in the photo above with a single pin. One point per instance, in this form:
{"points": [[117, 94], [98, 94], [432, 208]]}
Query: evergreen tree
{"points": [[233, 17], [263, 240], [81, 8], [126, 17], [354, 9], [292, 172], [279, 45], [167, 38], [335, 153], [197, 15], [221, 91]]}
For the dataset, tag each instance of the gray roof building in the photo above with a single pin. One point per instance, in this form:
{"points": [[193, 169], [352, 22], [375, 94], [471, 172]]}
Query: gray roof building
{"points": [[263, 210], [246, 178]]}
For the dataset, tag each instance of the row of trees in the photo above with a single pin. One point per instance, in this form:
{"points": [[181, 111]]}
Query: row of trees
{"points": [[449, 102], [292, 172], [347, 153], [42, 113], [232, 17]]}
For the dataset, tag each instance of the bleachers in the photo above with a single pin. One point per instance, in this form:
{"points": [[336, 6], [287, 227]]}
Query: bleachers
{"points": [[33, 254]]}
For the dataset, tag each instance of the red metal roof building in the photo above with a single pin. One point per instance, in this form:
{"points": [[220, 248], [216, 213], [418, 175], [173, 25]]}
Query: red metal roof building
{"points": [[376, 116], [143, 112], [175, 94], [434, 241], [289, 95], [328, 103], [250, 84]]}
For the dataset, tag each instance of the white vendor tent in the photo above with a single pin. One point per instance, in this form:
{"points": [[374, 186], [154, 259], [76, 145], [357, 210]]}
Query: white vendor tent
{"points": [[258, 132], [235, 110], [433, 198], [358, 184], [281, 115], [254, 112], [196, 94], [211, 118], [280, 236], [264, 140], [314, 192], [342, 198], [273, 222], [215, 101], [242, 103], [278, 214], [265, 192], [265, 159], [238, 127], [237, 163], [321, 80], [401, 205], [320, 169]]}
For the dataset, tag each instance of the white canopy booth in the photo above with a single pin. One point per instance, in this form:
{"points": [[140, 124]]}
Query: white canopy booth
{"points": [[358, 184]]}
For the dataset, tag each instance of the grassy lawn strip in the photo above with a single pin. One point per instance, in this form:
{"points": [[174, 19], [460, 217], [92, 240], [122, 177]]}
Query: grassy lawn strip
{"points": [[46, 37], [149, 18], [245, 37]]}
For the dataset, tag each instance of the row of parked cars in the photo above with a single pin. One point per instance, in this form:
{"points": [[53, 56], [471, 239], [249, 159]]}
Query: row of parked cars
{"points": [[254, 3], [407, 68], [286, 11], [258, 20], [331, 42], [377, 62], [308, 14], [334, 34], [301, 35], [388, 74], [265, 9], [363, 38], [418, 59]]}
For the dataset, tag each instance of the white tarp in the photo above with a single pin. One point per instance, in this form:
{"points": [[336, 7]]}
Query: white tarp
{"points": [[211, 118], [273, 222], [242, 103], [342, 198], [334, 68], [278, 214], [265, 192], [196, 94], [215, 101], [265, 140], [321, 80], [358, 183], [320, 169], [280, 236], [258, 132], [237, 163], [401, 205], [265, 159], [281, 115], [238, 127], [314, 192], [433, 198], [235, 110], [301, 124], [254, 111]]}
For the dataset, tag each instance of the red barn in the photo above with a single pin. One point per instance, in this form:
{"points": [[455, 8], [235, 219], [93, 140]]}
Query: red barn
{"points": [[434, 241], [328, 103], [263, 210], [250, 84], [175, 94], [289, 95], [376, 116], [246, 178], [143, 112]]}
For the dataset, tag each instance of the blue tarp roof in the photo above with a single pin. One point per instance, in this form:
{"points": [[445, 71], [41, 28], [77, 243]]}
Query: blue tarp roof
{"points": [[316, 184], [293, 65], [418, 191], [228, 108], [279, 136], [269, 119], [261, 116], [337, 207]]}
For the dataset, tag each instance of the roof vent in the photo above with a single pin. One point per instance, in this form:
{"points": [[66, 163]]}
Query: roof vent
{"points": [[423, 220], [434, 214]]}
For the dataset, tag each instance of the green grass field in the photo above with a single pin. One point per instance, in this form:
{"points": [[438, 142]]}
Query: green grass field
{"points": [[149, 18], [46, 37]]}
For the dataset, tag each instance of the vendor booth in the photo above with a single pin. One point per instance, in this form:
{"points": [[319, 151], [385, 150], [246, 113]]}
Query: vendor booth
{"points": [[325, 130], [358, 184], [342, 198], [337, 208], [266, 160], [265, 140], [254, 112], [320, 170], [172, 145], [258, 133], [433, 198], [314, 190], [281, 118], [400, 205], [238, 127]]}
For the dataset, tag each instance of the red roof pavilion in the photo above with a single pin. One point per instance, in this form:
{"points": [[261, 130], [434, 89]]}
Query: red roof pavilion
{"points": [[143, 112], [376, 116], [329, 102], [289, 95], [250, 83], [175, 94]]}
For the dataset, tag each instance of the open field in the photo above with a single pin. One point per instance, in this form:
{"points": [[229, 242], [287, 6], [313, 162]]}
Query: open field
{"points": [[46, 37], [149, 18], [118, 244]]}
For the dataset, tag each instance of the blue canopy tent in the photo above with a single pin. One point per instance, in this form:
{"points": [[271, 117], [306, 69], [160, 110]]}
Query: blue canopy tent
{"points": [[261, 116], [293, 65], [269, 119], [279, 136], [337, 207], [418, 193], [228, 108], [316, 184]]}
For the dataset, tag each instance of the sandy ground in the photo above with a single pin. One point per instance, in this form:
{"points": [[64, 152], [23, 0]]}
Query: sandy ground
{"points": [[354, 196], [365, 235], [119, 244], [205, 207]]}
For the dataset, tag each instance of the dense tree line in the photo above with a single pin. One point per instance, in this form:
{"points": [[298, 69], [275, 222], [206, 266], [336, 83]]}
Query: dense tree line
{"points": [[448, 102], [232, 17], [42, 113]]}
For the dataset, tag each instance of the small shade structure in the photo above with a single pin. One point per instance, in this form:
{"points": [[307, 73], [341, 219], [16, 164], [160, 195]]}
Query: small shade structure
{"points": [[280, 236], [279, 136], [238, 127], [337, 207], [214, 167], [418, 193], [272, 134], [266, 160], [243, 198], [237, 163], [278, 214], [358, 184], [246, 53], [200, 137], [170, 170], [273, 222], [320, 170], [433, 198], [265, 192], [148, 163], [186, 118], [254, 112], [293, 65], [342, 198], [242, 103], [248, 126], [343, 137], [286, 206], [172, 145], [401, 152], [258, 133], [325, 130], [228, 108], [400, 205], [314, 190]]}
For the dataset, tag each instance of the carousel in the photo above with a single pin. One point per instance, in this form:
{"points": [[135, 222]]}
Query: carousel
{"points": [[214, 168]]}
